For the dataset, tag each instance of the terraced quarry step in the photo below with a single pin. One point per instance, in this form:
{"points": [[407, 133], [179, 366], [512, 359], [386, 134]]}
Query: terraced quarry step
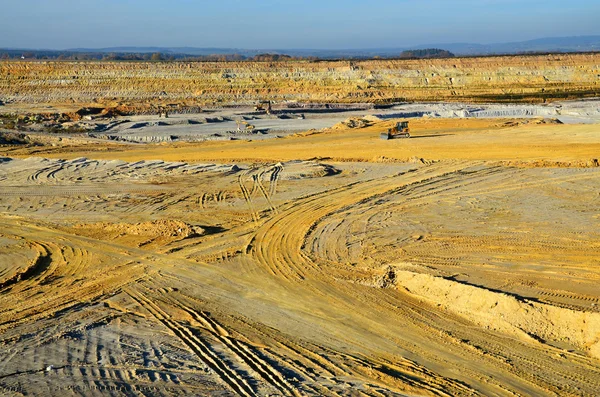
{"points": [[489, 79]]}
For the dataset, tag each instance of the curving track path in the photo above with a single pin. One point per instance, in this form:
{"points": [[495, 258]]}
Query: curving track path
{"points": [[362, 283]]}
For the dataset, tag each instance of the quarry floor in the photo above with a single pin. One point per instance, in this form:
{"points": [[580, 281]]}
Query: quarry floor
{"points": [[221, 124], [462, 261]]}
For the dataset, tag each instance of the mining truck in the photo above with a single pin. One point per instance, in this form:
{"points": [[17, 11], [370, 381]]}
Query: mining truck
{"points": [[401, 130]]}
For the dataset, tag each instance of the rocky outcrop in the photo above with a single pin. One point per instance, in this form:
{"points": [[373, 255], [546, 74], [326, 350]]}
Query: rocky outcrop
{"points": [[489, 79]]}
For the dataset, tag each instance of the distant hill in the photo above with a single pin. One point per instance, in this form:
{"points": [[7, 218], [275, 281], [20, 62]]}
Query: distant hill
{"points": [[549, 44]]}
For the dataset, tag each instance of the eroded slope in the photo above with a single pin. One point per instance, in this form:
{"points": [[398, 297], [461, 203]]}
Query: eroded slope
{"points": [[137, 84]]}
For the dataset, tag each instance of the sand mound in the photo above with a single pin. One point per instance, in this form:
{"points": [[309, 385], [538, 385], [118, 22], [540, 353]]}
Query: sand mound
{"points": [[80, 170], [165, 228], [518, 122], [306, 169], [163, 231], [591, 163], [502, 312], [13, 138], [371, 118], [356, 122], [412, 160], [547, 121]]}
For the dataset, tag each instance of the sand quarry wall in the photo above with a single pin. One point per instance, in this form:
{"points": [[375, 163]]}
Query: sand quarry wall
{"points": [[511, 78]]}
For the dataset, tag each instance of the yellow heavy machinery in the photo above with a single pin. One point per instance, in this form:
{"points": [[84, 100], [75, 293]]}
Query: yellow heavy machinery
{"points": [[247, 126], [401, 130], [263, 106]]}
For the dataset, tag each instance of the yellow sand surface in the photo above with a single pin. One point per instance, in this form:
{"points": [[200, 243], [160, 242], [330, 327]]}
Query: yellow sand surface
{"points": [[462, 261]]}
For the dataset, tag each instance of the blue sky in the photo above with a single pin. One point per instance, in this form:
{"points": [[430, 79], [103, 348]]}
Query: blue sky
{"points": [[333, 24]]}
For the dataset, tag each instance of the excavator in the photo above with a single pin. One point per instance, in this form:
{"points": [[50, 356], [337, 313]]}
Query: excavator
{"points": [[401, 130], [247, 126], [263, 106]]}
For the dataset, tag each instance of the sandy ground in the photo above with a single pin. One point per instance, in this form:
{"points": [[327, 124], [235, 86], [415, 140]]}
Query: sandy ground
{"points": [[196, 128], [432, 139], [463, 261], [221, 124]]}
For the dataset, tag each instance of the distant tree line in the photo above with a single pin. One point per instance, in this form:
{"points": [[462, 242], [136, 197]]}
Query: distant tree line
{"points": [[157, 56], [427, 53], [6, 54]]}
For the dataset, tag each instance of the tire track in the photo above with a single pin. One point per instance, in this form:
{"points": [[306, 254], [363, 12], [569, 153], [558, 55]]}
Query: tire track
{"points": [[257, 181], [247, 196], [279, 243], [484, 181], [40, 268], [276, 171], [244, 352], [239, 385]]}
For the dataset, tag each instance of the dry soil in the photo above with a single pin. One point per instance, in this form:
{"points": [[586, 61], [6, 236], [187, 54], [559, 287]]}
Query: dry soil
{"points": [[462, 261]]}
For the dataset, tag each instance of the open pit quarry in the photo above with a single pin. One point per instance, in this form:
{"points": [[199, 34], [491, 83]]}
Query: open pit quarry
{"points": [[137, 86], [323, 261]]}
